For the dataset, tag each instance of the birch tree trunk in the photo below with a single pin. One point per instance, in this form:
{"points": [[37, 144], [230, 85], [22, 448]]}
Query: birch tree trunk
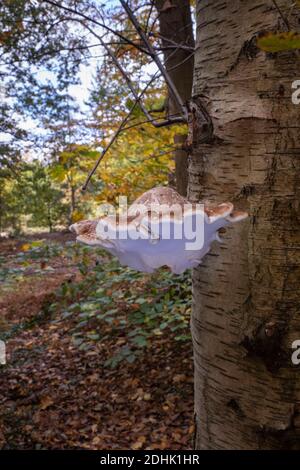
{"points": [[246, 294]]}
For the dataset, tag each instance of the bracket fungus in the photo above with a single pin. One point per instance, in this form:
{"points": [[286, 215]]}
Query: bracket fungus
{"points": [[161, 228]]}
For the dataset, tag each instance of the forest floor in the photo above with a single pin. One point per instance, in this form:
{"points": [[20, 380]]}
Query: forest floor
{"points": [[98, 356]]}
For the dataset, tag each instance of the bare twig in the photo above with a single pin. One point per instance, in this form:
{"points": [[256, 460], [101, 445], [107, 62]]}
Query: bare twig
{"points": [[284, 19], [181, 62], [102, 25], [164, 123], [154, 21], [156, 155], [161, 154], [174, 43], [155, 57], [140, 123], [104, 151], [149, 15], [132, 126], [149, 50], [116, 134]]}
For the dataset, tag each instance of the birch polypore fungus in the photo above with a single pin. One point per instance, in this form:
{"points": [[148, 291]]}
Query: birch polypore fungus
{"points": [[161, 228]]}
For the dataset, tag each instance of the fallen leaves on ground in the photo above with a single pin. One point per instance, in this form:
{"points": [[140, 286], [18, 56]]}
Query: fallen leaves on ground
{"points": [[57, 396]]}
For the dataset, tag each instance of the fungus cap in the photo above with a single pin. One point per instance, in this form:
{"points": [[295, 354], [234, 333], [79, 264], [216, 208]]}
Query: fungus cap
{"points": [[137, 237]]}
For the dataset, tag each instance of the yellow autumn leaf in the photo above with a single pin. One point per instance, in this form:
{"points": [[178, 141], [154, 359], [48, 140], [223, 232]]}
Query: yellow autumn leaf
{"points": [[26, 247], [77, 216]]}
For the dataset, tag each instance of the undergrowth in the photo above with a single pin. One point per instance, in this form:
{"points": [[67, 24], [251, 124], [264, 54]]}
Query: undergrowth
{"points": [[108, 299]]}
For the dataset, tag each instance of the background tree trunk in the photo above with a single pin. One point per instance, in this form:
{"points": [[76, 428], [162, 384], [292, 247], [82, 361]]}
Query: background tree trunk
{"points": [[176, 27], [246, 296]]}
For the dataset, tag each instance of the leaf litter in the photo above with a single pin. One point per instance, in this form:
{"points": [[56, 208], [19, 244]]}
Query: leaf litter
{"points": [[98, 356]]}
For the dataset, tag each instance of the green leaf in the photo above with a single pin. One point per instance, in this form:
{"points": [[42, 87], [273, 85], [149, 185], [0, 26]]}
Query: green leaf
{"points": [[140, 341], [93, 336], [131, 358], [277, 42]]}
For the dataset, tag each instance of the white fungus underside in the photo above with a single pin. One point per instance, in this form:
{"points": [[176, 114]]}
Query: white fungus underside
{"points": [[146, 254]]}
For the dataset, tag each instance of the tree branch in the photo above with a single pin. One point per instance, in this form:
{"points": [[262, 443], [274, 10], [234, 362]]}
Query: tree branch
{"points": [[155, 57], [166, 122], [102, 25], [174, 43], [282, 15], [116, 134]]}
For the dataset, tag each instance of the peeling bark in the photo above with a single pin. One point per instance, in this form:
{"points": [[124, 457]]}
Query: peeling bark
{"points": [[246, 294]]}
